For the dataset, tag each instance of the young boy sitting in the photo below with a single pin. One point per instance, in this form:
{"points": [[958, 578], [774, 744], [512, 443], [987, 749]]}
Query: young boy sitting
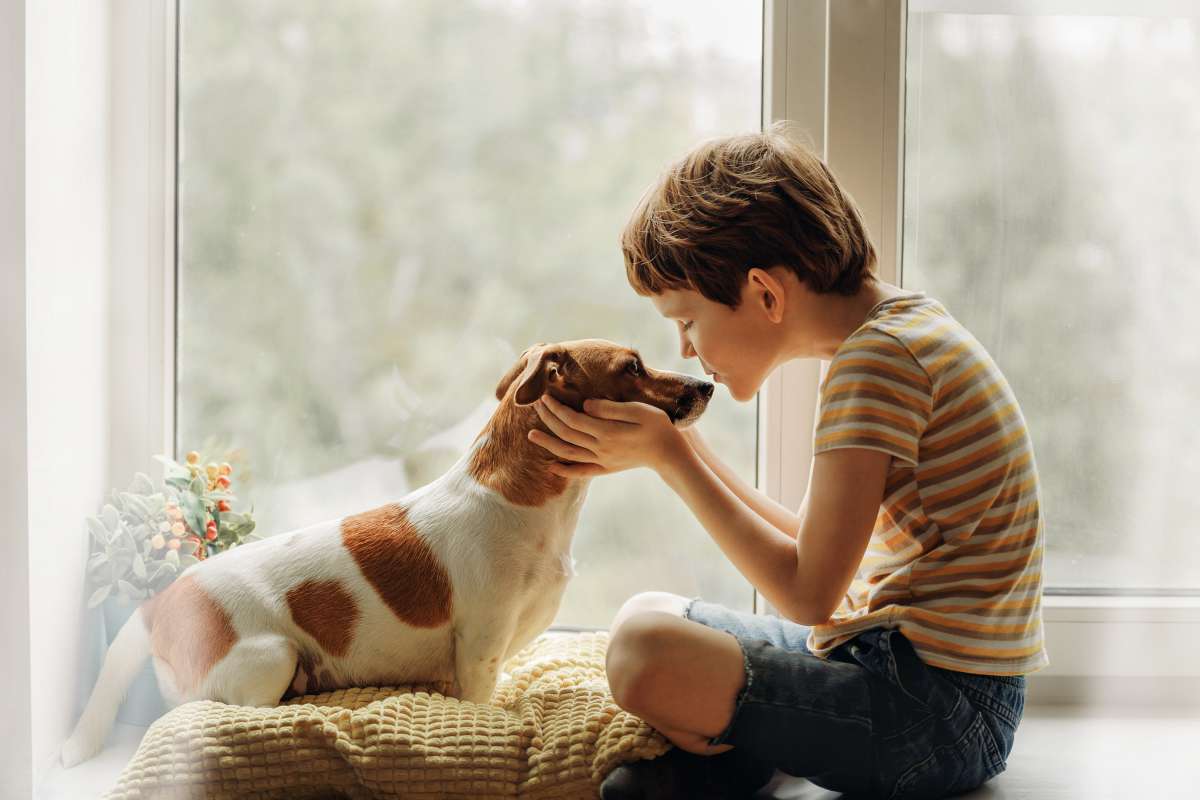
{"points": [[910, 581]]}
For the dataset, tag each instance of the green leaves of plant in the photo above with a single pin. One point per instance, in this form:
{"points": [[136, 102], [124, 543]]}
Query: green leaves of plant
{"points": [[124, 562]]}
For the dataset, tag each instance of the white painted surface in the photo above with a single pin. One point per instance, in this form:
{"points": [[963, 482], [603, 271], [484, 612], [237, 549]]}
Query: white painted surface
{"points": [[66, 228], [15, 764]]}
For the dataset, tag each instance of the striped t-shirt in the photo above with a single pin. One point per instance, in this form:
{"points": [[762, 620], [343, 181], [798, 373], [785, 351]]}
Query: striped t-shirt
{"points": [[955, 559]]}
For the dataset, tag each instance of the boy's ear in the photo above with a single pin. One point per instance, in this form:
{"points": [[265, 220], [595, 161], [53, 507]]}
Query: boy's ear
{"points": [[767, 291]]}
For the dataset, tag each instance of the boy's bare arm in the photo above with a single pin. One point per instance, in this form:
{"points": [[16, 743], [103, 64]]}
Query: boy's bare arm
{"points": [[805, 577], [773, 512]]}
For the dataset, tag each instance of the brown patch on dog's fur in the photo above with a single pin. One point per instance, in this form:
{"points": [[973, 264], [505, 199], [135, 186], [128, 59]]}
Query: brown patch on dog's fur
{"points": [[189, 630], [512, 465], [400, 565], [325, 611]]}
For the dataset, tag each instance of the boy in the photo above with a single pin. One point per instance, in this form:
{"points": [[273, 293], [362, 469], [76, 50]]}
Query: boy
{"points": [[910, 581]]}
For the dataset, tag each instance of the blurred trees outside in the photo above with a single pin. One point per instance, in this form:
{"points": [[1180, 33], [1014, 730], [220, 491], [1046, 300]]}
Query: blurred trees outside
{"points": [[382, 204], [1051, 203]]}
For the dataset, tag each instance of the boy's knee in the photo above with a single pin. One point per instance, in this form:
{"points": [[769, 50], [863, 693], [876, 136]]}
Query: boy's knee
{"points": [[630, 659], [648, 601]]}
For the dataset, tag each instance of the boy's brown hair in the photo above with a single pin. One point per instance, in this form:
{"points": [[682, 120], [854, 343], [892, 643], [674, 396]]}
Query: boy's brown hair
{"points": [[737, 202]]}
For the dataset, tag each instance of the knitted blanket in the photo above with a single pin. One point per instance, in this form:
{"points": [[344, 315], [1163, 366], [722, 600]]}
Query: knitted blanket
{"points": [[551, 730]]}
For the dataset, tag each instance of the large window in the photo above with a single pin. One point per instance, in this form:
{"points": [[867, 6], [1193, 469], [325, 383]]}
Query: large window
{"points": [[1052, 192], [381, 204]]}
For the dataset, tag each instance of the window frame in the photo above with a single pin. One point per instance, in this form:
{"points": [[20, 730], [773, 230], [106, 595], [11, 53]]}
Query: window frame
{"points": [[828, 66]]}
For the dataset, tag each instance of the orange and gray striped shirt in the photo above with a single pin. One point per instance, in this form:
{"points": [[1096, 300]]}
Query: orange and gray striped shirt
{"points": [[955, 558]]}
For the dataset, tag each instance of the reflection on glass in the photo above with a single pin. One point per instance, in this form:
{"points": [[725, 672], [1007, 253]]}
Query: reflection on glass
{"points": [[381, 204], [1052, 188]]}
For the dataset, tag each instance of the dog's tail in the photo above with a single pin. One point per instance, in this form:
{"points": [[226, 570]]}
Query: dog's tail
{"points": [[122, 663]]}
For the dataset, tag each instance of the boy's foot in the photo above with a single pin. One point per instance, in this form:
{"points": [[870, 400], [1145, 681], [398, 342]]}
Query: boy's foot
{"points": [[680, 775]]}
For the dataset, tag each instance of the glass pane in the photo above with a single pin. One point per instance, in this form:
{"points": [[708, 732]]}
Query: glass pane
{"points": [[1052, 188], [382, 204]]}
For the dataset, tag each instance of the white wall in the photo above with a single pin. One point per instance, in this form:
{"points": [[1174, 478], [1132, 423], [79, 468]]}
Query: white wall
{"points": [[67, 185], [15, 762]]}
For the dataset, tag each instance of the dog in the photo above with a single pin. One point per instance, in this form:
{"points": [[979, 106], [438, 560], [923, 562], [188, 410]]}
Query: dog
{"points": [[441, 586]]}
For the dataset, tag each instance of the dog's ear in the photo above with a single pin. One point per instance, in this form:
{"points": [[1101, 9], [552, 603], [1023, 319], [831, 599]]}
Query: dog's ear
{"points": [[536, 367], [510, 376], [543, 369]]}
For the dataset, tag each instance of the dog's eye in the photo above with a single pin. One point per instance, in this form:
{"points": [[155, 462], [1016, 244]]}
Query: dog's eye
{"points": [[635, 368]]}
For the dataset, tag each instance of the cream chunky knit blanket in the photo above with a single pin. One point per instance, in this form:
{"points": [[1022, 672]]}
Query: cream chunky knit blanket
{"points": [[551, 730]]}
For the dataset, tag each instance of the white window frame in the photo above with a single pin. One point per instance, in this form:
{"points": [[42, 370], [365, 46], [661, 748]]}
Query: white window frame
{"points": [[836, 68], [142, 235]]}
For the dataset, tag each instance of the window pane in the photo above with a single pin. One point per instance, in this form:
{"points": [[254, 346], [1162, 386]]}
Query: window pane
{"points": [[1052, 188], [382, 204]]}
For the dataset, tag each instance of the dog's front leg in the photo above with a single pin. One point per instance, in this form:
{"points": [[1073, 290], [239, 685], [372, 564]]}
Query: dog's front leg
{"points": [[479, 647]]}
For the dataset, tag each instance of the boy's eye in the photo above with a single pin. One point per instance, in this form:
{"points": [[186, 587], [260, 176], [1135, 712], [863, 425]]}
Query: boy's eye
{"points": [[687, 325]]}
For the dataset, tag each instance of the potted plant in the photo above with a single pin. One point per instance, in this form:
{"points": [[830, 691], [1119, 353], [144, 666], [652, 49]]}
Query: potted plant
{"points": [[145, 537]]}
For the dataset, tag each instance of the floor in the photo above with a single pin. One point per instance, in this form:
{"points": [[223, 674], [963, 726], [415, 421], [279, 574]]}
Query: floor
{"points": [[1060, 752]]}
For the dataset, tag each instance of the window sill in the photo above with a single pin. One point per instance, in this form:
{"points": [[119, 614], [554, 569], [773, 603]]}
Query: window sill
{"points": [[1116, 652], [1108, 608]]}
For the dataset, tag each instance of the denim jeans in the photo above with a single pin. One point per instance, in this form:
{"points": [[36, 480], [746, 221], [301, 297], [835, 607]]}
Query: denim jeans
{"points": [[872, 719]]}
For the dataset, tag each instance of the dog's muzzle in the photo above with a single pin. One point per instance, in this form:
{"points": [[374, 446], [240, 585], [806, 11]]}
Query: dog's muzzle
{"points": [[692, 403]]}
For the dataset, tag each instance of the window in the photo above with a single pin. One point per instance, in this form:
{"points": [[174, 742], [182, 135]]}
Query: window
{"points": [[1051, 192], [823, 67], [382, 204]]}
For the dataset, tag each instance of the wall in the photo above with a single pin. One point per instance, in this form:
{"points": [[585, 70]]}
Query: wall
{"points": [[15, 761], [67, 276]]}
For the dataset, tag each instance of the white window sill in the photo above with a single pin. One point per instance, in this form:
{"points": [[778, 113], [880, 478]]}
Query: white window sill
{"points": [[1107, 608]]}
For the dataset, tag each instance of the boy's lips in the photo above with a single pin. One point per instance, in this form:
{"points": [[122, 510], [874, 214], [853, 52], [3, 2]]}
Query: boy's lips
{"points": [[712, 373]]}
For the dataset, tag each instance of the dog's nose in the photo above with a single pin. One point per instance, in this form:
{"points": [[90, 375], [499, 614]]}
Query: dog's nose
{"points": [[706, 389]]}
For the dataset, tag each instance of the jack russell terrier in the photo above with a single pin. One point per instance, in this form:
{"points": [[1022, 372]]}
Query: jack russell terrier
{"points": [[442, 586]]}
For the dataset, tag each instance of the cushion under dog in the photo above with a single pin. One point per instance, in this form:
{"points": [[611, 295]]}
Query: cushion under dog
{"points": [[552, 730]]}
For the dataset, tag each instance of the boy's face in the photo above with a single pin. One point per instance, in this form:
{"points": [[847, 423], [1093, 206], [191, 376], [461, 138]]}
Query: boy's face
{"points": [[737, 347]]}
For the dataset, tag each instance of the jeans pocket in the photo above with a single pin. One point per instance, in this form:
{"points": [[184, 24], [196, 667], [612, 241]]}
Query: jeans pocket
{"points": [[951, 767], [913, 677], [1003, 736], [1001, 701]]}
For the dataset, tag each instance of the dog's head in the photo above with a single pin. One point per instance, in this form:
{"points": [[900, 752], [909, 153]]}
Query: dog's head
{"points": [[574, 371]]}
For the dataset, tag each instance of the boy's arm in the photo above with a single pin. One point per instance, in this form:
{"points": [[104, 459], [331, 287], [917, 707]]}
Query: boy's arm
{"points": [[805, 578], [773, 512]]}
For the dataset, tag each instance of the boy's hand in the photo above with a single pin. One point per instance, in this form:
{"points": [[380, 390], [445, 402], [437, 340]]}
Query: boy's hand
{"points": [[610, 437]]}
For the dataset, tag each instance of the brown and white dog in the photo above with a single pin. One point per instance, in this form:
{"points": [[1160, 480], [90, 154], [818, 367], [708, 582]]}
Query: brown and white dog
{"points": [[442, 586]]}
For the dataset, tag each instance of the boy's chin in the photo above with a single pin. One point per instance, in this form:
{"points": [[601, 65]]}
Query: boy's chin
{"points": [[740, 390], [738, 393]]}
